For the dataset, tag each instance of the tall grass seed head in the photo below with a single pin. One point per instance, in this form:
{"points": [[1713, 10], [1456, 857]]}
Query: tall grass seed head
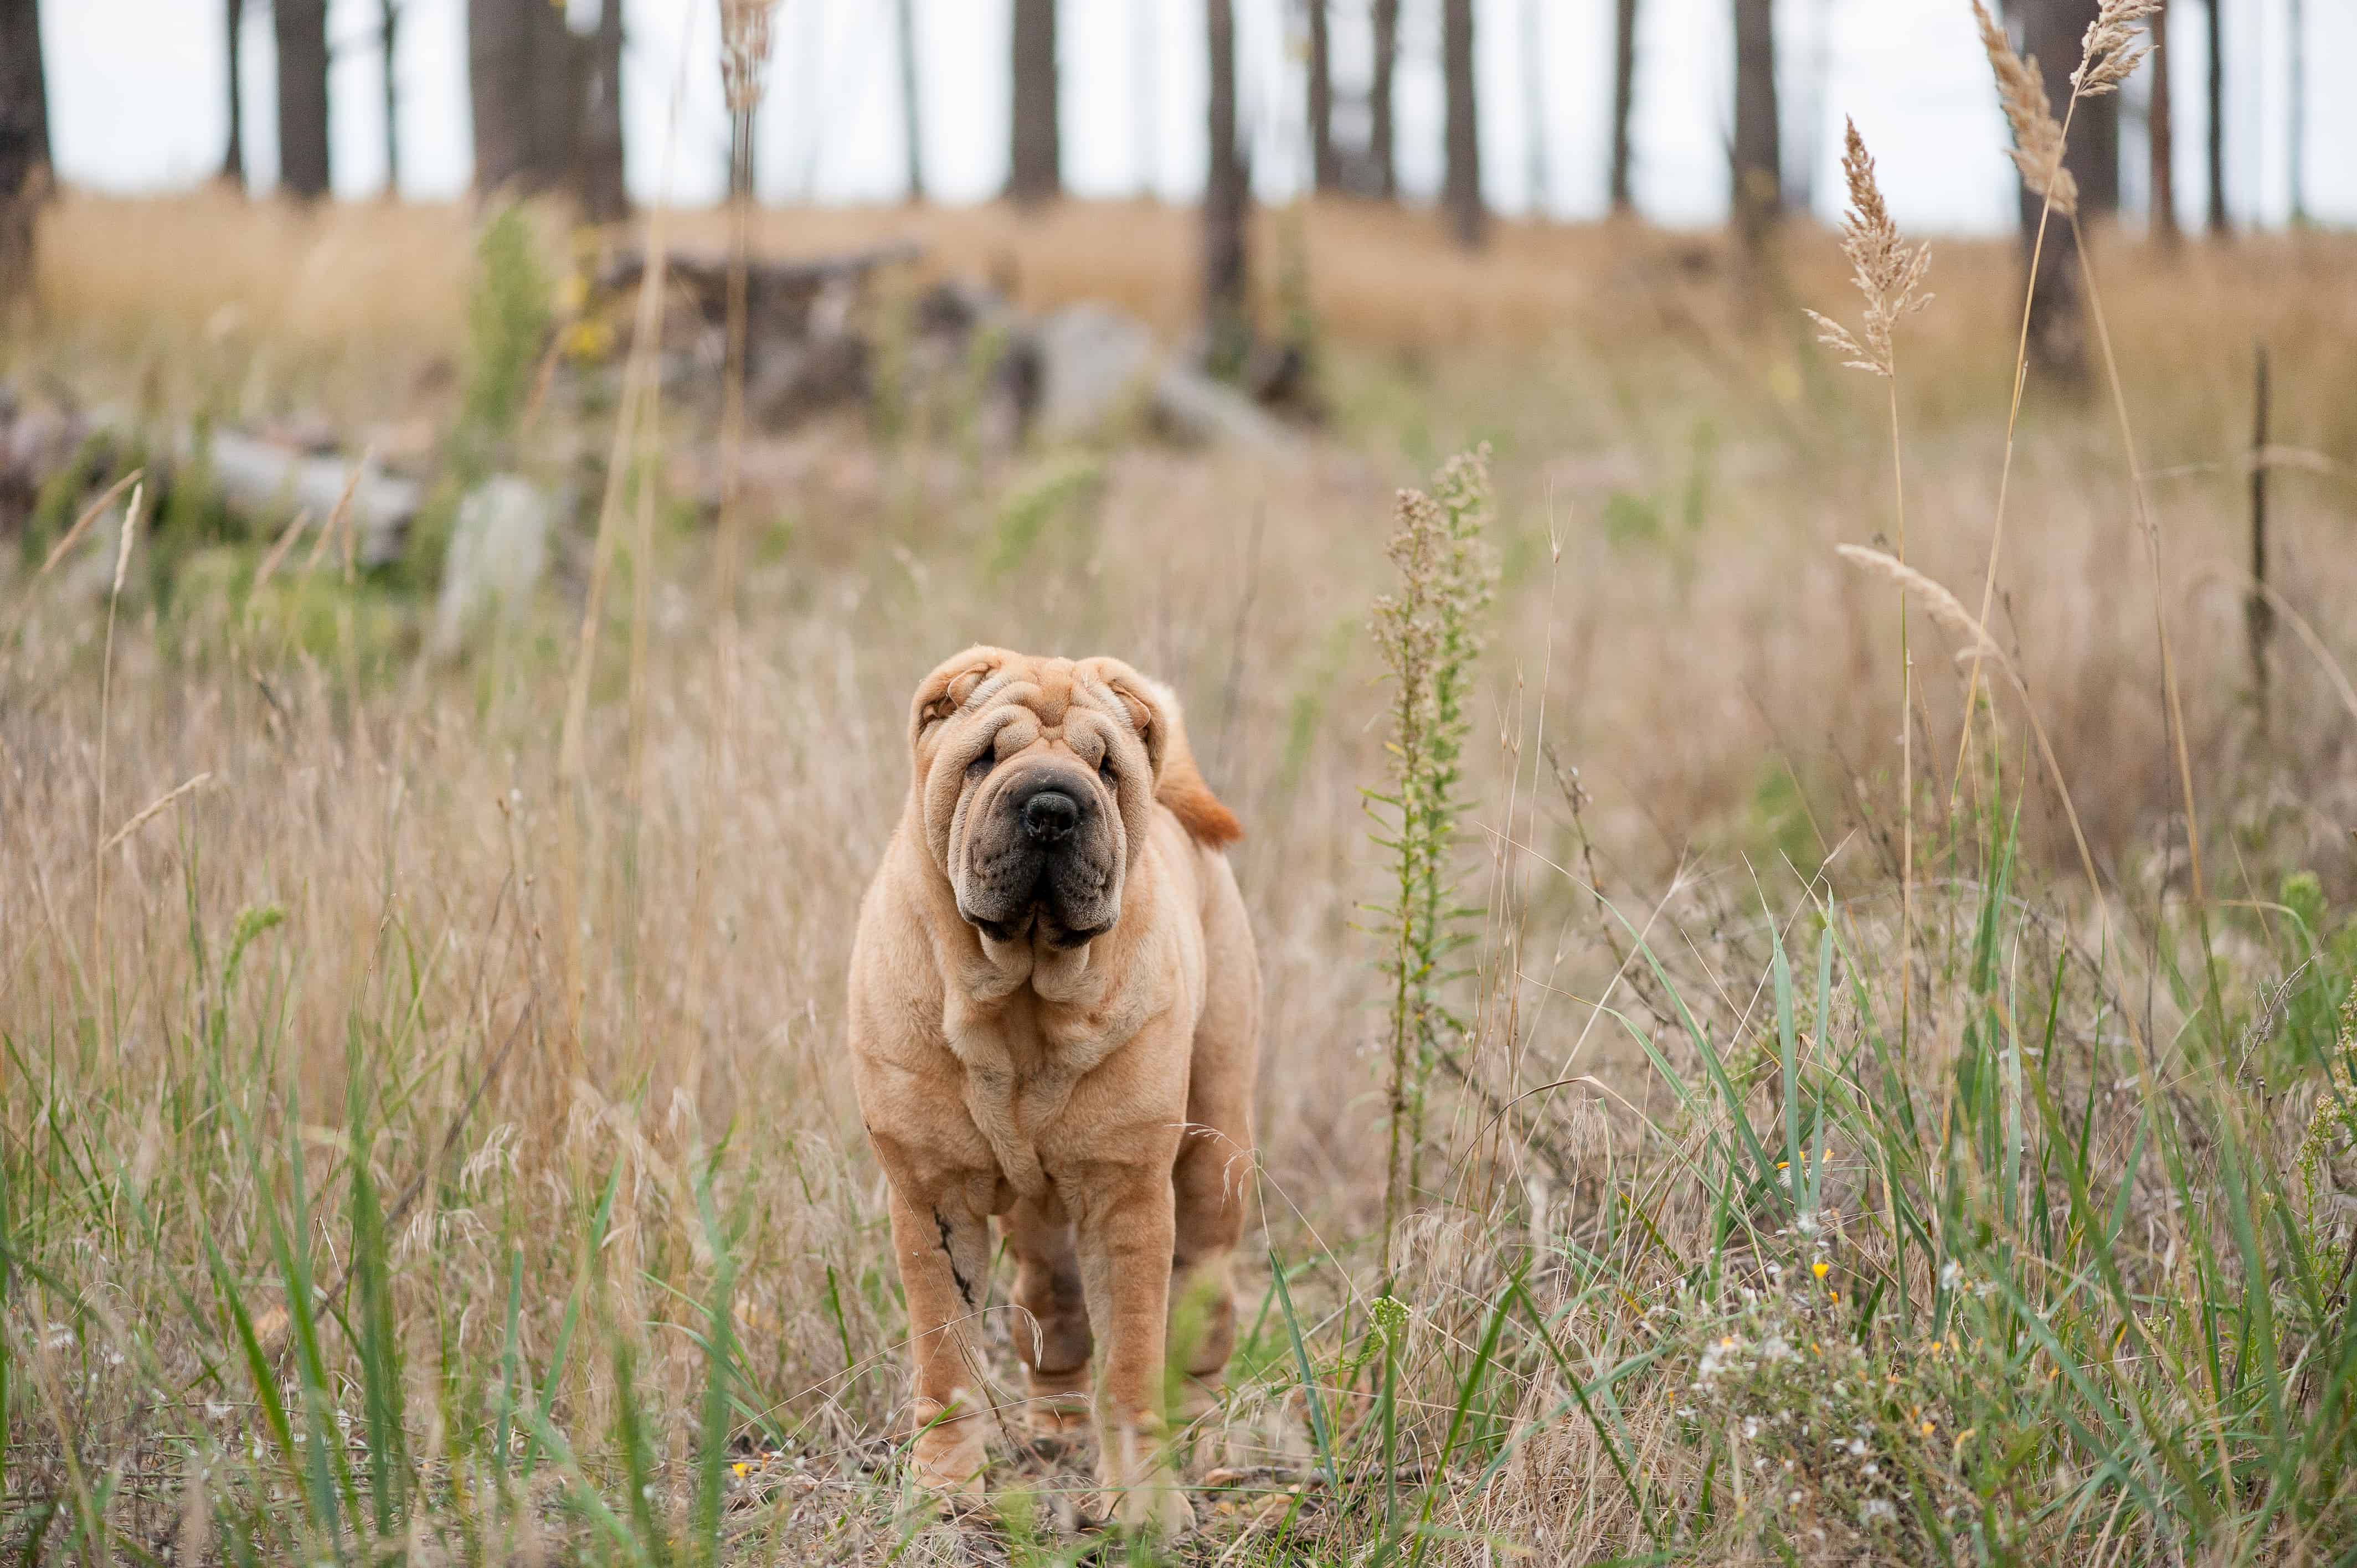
{"points": [[2112, 47], [2037, 134], [1887, 271]]}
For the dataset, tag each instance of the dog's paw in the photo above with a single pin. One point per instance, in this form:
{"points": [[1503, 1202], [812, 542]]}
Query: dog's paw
{"points": [[1155, 1507], [948, 1463], [1057, 1425]]}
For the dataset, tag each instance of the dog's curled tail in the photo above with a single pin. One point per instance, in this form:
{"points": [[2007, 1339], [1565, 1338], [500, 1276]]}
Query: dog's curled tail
{"points": [[1182, 788]]}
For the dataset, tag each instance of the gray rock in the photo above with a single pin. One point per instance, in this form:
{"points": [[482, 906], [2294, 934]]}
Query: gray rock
{"points": [[1092, 361], [499, 551], [1193, 405]]}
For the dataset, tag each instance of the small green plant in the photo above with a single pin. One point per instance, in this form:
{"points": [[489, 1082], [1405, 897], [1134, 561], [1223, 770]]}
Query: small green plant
{"points": [[1430, 634], [508, 320]]}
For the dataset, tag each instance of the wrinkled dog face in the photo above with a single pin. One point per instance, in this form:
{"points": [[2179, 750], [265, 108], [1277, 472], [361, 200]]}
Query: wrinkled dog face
{"points": [[1035, 780]]}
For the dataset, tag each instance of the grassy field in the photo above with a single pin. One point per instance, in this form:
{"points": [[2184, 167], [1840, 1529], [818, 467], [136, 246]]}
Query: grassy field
{"points": [[420, 1142]]}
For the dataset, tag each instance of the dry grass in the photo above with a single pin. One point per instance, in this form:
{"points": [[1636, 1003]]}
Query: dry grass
{"points": [[1698, 656]]}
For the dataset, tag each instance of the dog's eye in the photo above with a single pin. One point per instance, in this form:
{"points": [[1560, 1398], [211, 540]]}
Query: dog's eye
{"points": [[981, 765], [1105, 770]]}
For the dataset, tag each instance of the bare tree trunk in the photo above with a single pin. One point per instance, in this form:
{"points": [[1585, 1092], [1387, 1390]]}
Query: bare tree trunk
{"points": [[525, 83], [390, 12], [1227, 197], [1382, 136], [24, 143], [301, 26], [1534, 103], [2052, 32], [232, 169], [2161, 137], [2217, 117], [1624, 98], [1325, 168], [1758, 152], [911, 124], [1145, 90], [1469, 219], [605, 191], [555, 94], [1035, 165], [2298, 142], [499, 61]]}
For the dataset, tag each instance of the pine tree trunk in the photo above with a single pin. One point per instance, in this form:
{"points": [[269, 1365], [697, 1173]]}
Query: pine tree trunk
{"points": [[555, 94], [232, 169], [2058, 336], [2296, 31], [1381, 135], [499, 59], [2161, 137], [911, 121], [1469, 219], [525, 80], [24, 143], [1035, 165], [1227, 198], [1624, 98], [605, 194], [1326, 169], [1535, 104], [2218, 224], [301, 28], [390, 12], [1756, 174]]}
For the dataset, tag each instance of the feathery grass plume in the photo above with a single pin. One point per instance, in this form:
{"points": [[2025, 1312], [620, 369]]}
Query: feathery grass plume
{"points": [[743, 51], [1887, 271], [1943, 606], [1430, 633], [2112, 47], [2036, 135]]}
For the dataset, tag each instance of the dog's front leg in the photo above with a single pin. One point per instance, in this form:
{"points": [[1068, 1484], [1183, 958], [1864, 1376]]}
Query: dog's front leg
{"points": [[944, 1245], [1125, 1228]]}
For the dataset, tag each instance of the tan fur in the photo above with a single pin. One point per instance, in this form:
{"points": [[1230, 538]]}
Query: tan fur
{"points": [[1089, 1088]]}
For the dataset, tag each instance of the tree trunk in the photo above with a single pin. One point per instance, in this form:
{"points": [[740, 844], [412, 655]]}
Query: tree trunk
{"points": [[1380, 136], [911, 121], [1624, 98], [301, 26], [1035, 164], [2298, 30], [232, 169], [499, 61], [1325, 168], [1534, 103], [2217, 117], [1227, 197], [1756, 172], [2161, 137], [2052, 32], [605, 194], [391, 11], [1469, 219], [525, 84], [24, 143]]}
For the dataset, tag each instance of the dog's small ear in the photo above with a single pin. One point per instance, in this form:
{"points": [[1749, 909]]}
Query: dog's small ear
{"points": [[946, 690], [1178, 784], [1149, 713]]}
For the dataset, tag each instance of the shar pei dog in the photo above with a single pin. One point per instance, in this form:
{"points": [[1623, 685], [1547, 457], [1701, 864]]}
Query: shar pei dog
{"points": [[1054, 1023]]}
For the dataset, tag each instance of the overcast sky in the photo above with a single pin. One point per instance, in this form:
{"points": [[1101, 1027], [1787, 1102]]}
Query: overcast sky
{"points": [[135, 90]]}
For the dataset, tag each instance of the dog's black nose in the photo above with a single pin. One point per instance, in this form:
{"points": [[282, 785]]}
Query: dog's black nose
{"points": [[1050, 816]]}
